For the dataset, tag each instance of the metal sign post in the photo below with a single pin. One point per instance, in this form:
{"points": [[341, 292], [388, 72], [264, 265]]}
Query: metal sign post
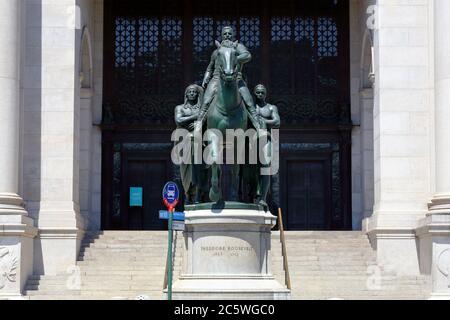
{"points": [[170, 198]]}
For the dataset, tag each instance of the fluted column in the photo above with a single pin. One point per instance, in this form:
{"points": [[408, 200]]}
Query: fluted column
{"points": [[10, 201], [441, 200], [16, 228], [434, 229]]}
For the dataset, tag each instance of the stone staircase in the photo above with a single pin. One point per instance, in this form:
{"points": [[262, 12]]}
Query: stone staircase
{"points": [[341, 265], [323, 265], [112, 265]]}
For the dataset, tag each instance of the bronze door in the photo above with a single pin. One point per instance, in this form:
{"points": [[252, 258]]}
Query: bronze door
{"points": [[308, 195], [149, 172]]}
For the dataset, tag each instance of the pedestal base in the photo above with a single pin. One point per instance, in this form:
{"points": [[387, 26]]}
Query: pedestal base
{"points": [[440, 296], [245, 288], [227, 255], [16, 246]]}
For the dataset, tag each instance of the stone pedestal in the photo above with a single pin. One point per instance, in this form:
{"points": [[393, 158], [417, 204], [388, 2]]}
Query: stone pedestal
{"points": [[227, 255], [16, 246], [434, 235]]}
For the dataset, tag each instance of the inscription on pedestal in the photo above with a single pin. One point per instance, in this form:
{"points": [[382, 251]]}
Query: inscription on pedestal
{"points": [[222, 254], [231, 251]]}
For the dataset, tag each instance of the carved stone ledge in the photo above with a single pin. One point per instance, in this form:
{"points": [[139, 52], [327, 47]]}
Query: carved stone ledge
{"points": [[11, 204], [440, 203]]}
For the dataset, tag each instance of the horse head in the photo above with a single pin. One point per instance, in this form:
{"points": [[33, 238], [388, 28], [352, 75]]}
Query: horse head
{"points": [[227, 62]]}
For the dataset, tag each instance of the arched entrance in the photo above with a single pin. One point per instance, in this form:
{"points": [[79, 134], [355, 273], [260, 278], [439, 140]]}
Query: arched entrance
{"points": [[300, 52]]}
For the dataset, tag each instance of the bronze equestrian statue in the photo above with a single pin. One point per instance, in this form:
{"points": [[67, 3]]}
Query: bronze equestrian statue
{"points": [[227, 104]]}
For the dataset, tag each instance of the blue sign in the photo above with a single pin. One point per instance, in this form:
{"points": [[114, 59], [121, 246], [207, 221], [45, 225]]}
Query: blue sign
{"points": [[136, 196], [164, 214], [171, 192]]}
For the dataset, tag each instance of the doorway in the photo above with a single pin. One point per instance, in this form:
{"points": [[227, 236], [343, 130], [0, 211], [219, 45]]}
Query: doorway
{"points": [[149, 173], [300, 51]]}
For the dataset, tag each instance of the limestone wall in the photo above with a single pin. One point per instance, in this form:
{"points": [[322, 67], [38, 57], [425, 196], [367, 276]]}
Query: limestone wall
{"points": [[361, 43], [402, 128], [51, 128]]}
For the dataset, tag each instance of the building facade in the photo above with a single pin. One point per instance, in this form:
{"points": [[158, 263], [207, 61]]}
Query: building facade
{"points": [[89, 87]]}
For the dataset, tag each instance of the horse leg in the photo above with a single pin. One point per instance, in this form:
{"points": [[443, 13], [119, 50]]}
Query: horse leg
{"points": [[234, 183], [239, 150], [215, 193]]}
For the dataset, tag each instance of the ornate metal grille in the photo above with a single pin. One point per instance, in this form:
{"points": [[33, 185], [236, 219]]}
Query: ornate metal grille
{"points": [[298, 52]]}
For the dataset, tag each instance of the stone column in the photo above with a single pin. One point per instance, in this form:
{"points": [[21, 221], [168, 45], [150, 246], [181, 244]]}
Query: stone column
{"points": [[435, 228], [441, 200], [16, 228], [401, 132]]}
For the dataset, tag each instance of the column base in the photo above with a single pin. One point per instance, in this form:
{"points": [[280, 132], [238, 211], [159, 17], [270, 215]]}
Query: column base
{"points": [[439, 204], [16, 246], [393, 237], [434, 235], [11, 204], [56, 250]]}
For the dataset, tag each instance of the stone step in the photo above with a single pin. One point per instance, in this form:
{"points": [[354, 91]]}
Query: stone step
{"points": [[86, 266], [90, 274], [355, 291], [100, 287], [98, 278], [125, 251], [113, 265], [328, 248], [311, 289], [148, 243], [128, 233], [104, 258], [316, 242], [111, 259], [86, 297], [348, 278], [151, 264], [307, 239], [98, 275], [96, 293], [98, 270], [358, 297], [348, 291], [313, 241], [323, 265], [321, 234], [125, 239], [131, 236], [130, 247], [294, 273], [162, 256], [330, 269], [324, 259]]}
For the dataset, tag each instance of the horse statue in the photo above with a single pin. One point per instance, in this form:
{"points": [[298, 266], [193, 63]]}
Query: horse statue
{"points": [[227, 111]]}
